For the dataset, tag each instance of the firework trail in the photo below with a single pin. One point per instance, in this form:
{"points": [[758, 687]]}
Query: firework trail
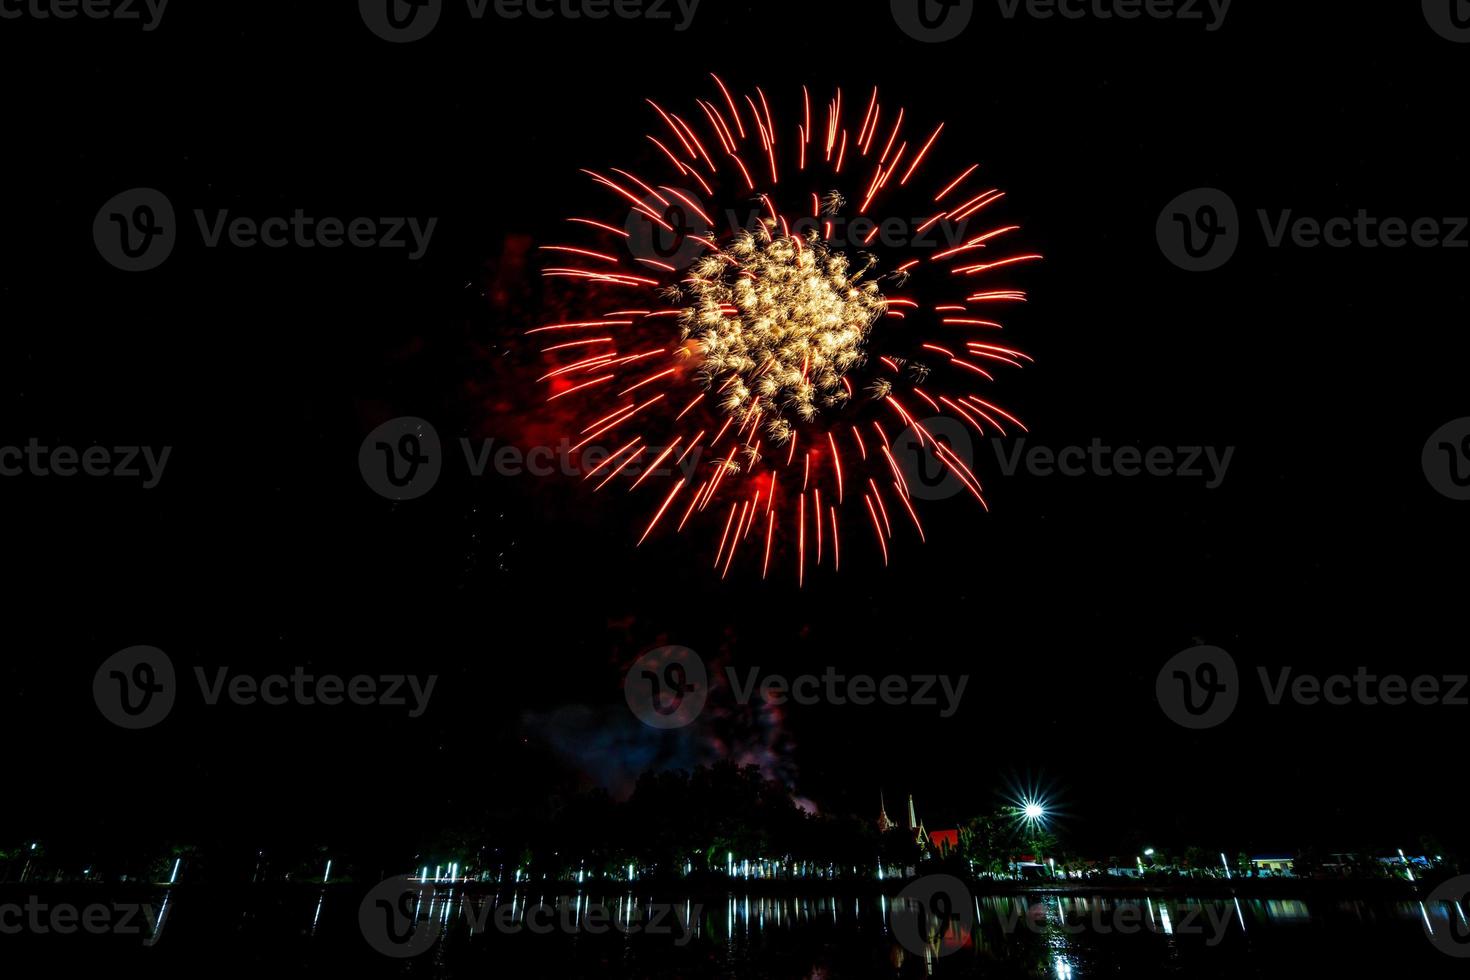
{"points": [[756, 381]]}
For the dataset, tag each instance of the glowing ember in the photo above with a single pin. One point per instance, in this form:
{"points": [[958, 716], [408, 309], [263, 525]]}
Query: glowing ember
{"points": [[779, 325]]}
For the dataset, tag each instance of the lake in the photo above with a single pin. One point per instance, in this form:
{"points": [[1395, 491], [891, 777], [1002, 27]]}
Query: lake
{"points": [[609, 933]]}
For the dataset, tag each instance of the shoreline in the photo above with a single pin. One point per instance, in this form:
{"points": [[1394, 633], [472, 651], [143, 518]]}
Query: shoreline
{"points": [[1286, 888]]}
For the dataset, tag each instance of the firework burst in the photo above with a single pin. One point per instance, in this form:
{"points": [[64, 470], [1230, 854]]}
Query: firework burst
{"points": [[760, 380]]}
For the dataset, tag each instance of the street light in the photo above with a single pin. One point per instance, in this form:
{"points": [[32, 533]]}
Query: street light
{"points": [[1031, 811]]}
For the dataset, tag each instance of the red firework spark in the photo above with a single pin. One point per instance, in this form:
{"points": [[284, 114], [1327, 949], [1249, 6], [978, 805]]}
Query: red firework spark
{"points": [[665, 373]]}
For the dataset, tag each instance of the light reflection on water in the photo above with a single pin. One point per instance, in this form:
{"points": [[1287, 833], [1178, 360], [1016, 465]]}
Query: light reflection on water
{"points": [[1052, 936], [1058, 918], [746, 913]]}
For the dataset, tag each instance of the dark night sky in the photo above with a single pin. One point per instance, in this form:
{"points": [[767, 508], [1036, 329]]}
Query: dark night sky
{"points": [[1327, 370]]}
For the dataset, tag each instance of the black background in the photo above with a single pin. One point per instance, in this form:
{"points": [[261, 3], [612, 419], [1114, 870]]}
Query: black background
{"points": [[1326, 369]]}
